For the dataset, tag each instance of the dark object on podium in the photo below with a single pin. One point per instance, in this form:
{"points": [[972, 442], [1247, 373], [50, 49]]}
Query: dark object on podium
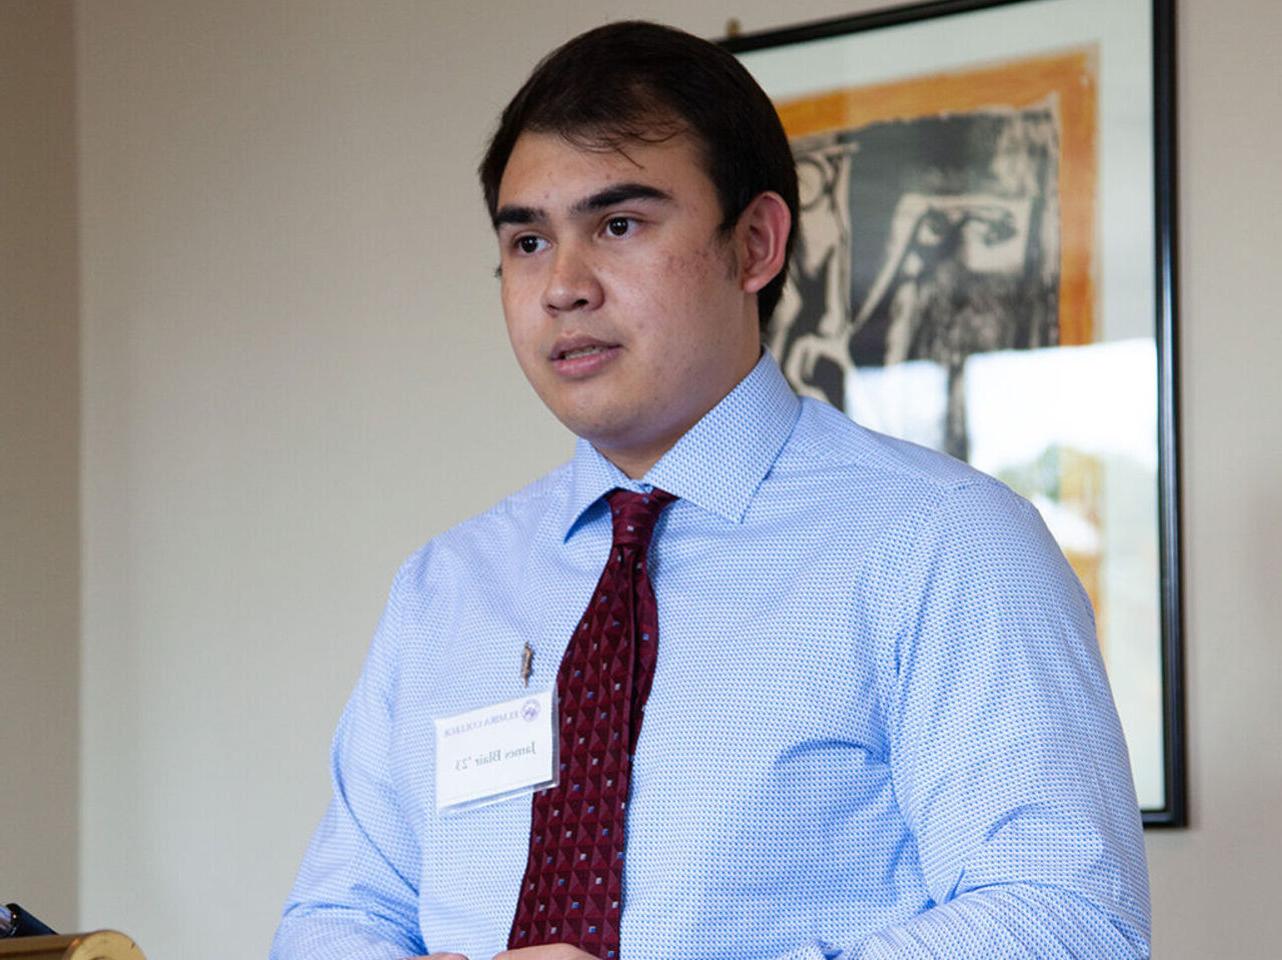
{"points": [[16, 922]]}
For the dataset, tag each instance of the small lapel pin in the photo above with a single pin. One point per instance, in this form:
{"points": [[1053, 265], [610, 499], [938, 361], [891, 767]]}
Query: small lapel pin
{"points": [[527, 663]]}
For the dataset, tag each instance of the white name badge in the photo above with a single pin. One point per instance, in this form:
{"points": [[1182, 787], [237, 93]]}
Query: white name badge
{"points": [[497, 752]]}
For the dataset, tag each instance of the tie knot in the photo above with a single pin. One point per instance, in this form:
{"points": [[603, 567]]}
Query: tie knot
{"points": [[635, 514]]}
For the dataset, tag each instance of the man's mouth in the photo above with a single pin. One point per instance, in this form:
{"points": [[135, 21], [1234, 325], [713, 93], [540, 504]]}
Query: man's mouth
{"points": [[581, 356], [581, 352], [574, 347]]}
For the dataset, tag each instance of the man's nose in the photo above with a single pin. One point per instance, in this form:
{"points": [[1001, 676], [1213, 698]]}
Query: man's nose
{"points": [[573, 283]]}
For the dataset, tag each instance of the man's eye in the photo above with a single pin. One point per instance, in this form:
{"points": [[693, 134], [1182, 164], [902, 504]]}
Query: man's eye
{"points": [[530, 244], [619, 226]]}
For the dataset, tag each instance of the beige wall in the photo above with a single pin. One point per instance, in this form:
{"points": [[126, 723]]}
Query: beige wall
{"points": [[294, 371], [1213, 886], [39, 461]]}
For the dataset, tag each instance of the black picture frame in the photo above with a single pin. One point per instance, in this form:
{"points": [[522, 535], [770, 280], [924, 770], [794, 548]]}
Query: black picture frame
{"points": [[1158, 41]]}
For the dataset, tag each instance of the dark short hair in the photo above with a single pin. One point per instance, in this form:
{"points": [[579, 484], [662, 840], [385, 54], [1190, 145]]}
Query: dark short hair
{"points": [[629, 81]]}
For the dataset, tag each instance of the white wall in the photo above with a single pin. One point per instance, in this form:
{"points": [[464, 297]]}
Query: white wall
{"points": [[294, 371], [1214, 885], [39, 466]]}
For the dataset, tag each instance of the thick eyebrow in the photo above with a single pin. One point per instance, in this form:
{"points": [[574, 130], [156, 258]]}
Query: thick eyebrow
{"points": [[601, 200], [519, 215], [617, 194]]}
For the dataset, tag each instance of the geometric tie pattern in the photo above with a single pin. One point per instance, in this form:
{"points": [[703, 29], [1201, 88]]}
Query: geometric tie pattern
{"points": [[572, 889]]}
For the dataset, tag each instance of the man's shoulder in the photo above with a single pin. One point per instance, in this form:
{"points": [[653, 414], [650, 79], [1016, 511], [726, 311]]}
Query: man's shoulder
{"points": [[827, 441], [532, 503], [514, 520], [909, 504]]}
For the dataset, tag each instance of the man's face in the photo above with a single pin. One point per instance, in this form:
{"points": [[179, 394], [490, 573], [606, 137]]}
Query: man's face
{"points": [[623, 300]]}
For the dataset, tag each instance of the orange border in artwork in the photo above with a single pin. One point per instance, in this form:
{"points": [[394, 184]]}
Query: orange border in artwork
{"points": [[1070, 76]]}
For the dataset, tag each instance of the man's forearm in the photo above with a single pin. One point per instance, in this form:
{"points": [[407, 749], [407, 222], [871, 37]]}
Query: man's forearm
{"points": [[335, 935], [1017, 921]]}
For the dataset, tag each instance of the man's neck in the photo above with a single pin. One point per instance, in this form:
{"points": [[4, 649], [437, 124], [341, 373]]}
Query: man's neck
{"points": [[635, 465], [636, 460]]}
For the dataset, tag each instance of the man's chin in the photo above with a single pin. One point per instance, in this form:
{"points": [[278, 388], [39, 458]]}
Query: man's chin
{"points": [[632, 452]]}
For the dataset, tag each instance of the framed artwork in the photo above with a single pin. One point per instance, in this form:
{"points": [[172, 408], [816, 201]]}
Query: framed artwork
{"points": [[985, 266]]}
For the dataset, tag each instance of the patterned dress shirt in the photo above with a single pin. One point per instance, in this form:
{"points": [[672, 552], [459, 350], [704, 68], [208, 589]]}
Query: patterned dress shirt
{"points": [[879, 725]]}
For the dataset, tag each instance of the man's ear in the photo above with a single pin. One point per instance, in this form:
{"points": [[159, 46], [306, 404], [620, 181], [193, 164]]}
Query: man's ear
{"points": [[763, 239]]}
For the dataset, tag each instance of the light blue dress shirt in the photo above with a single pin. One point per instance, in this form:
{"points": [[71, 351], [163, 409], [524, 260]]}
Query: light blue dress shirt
{"points": [[879, 726]]}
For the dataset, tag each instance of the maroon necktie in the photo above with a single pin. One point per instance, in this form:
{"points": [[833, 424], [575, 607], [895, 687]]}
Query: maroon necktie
{"points": [[573, 884]]}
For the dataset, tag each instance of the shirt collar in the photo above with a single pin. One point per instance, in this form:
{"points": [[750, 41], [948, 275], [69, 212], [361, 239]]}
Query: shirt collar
{"points": [[718, 464]]}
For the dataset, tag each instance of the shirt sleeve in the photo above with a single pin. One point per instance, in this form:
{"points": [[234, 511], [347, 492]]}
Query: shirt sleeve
{"points": [[1007, 756], [356, 896]]}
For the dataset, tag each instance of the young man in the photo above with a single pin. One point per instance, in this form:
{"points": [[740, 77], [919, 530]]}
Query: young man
{"points": [[819, 693]]}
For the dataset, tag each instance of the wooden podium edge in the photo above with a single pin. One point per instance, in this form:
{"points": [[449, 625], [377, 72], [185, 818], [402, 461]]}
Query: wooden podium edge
{"points": [[95, 945]]}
